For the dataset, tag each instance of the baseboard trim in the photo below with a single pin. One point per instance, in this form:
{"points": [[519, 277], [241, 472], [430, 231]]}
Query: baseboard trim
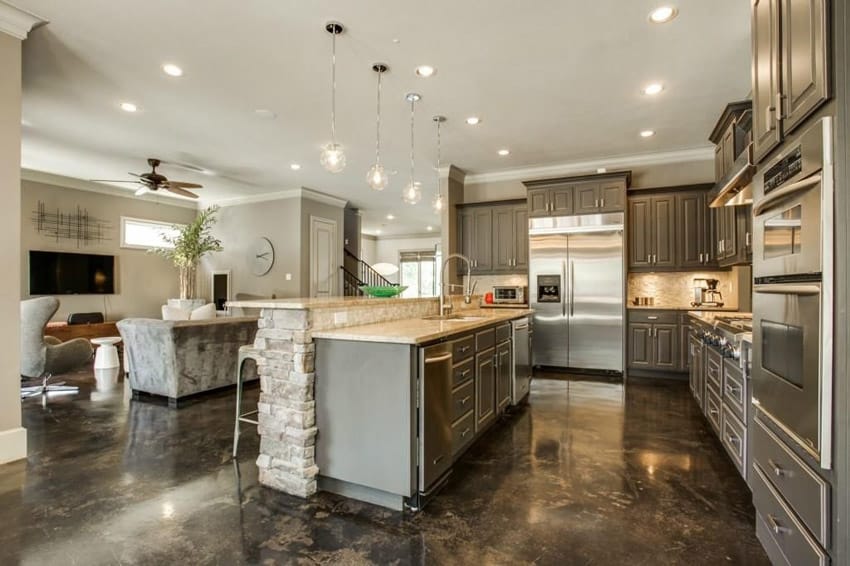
{"points": [[13, 445]]}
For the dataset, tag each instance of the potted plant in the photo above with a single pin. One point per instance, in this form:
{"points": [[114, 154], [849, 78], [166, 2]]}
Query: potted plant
{"points": [[187, 246]]}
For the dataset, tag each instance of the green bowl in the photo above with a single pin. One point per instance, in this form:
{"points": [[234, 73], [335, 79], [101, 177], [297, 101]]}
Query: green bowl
{"points": [[384, 291]]}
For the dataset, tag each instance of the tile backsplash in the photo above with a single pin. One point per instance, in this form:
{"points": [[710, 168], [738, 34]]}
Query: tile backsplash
{"points": [[676, 289]]}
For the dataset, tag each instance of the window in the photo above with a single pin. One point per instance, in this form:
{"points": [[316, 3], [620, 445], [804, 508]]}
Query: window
{"points": [[419, 273], [146, 234]]}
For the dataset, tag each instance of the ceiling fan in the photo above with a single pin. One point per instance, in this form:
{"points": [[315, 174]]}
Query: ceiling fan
{"points": [[153, 181]]}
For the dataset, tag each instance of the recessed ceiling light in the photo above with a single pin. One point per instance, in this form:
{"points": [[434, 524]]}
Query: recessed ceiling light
{"points": [[473, 120], [653, 89], [294, 166], [601, 170], [265, 113], [390, 217], [425, 71], [128, 107], [172, 70], [647, 133], [663, 14], [429, 228], [504, 152], [378, 232]]}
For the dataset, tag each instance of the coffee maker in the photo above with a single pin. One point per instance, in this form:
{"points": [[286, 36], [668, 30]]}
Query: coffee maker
{"points": [[706, 293]]}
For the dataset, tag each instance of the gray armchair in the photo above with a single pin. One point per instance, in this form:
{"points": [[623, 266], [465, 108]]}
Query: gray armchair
{"points": [[42, 356]]}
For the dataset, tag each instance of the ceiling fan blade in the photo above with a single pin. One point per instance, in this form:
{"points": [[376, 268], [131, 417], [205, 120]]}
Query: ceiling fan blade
{"points": [[134, 174], [179, 191], [142, 191], [111, 181], [184, 185]]}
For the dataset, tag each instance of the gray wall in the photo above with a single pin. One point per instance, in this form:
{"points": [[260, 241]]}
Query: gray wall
{"points": [[238, 227], [12, 437], [143, 281]]}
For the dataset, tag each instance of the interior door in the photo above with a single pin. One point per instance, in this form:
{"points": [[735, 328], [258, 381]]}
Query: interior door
{"points": [[323, 260], [546, 270], [595, 300]]}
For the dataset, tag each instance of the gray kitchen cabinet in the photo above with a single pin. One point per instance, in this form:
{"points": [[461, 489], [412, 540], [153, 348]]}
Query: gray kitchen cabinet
{"points": [[587, 198], [503, 376], [538, 202], [652, 232], [556, 200], [665, 352], [562, 201], [684, 339], [590, 194], [695, 370], [790, 58], [693, 231], [766, 68], [654, 340], [612, 197], [640, 345], [485, 388], [494, 236], [733, 233]]}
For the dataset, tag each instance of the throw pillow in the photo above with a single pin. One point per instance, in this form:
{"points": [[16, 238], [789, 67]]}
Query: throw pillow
{"points": [[205, 312], [174, 313]]}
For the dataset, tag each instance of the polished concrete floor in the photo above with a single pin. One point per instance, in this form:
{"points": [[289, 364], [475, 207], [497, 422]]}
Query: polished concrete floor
{"points": [[588, 473]]}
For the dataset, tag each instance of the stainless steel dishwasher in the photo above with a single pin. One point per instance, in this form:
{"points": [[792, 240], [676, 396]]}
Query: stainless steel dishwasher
{"points": [[435, 415]]}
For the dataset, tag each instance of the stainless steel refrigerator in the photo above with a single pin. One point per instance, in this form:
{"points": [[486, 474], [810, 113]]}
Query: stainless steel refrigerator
{"points": [[576, 289]]}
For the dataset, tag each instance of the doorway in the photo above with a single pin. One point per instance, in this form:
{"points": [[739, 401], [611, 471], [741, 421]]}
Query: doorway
{"points": [[323, 257]]}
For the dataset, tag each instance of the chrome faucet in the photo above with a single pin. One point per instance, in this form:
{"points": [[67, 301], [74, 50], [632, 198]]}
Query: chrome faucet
{"points": [[470, 285]]}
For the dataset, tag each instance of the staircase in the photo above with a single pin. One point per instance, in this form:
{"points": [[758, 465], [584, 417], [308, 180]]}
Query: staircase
{"points": [[356, 272]]}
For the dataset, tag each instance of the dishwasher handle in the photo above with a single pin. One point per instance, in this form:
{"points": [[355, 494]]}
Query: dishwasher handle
{"points": [[438, 359]]}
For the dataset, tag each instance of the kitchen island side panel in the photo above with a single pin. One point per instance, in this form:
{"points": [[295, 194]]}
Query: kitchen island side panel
{"points": [[366, 414]]}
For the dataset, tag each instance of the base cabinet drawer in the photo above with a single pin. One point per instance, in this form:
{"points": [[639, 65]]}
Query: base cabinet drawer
{"points": [[734, 389], [733, 435], [503, 333], [463, 400], [463, 348], [463, 431], [713, 410], [713, 371], [464, 371], [784, 538], [485, 339], [806, 492]]}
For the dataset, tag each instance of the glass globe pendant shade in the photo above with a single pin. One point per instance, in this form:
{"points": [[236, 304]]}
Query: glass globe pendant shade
{"points": [[438, 204], [412, 193], [333, 158], [377, 177]]}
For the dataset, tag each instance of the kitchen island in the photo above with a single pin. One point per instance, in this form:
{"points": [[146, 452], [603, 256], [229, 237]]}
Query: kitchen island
{"points": [[342, 390]]}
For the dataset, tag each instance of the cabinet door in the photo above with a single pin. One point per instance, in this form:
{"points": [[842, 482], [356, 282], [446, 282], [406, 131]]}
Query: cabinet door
{"points": [[728, 145], [587, 198], [640, 231], [562, 200], [765, 73], [612, 197], [745, 231], [690, 230], [664, 231], [710, 242], [482, 244], [520, 238], [684, 340], [718, 162], [503, 238], [730, 233], [805, 83], [485, 388], [538, 202], [465, 236], [719, 233], [640, 345], [695, 354], [503, 372], [665, 346]]}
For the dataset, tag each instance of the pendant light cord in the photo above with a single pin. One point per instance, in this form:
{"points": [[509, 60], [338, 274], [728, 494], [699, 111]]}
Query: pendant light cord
{"points": [[333, 87], [412, 182], [378, 136], [439, 188]]}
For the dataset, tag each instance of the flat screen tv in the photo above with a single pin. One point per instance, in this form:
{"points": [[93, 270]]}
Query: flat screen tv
{"points": [[59, 273]]}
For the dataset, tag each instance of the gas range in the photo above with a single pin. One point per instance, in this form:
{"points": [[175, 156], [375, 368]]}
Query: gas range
{"points": [[728, 334]]}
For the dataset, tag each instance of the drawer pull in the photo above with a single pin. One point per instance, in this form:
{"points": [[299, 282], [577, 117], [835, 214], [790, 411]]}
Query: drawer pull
{"points": [[778, 470], [438, 459], [465, 372], [733, 390], [464, 349], [465, 432], [776, 527], [652, 317], [714, 412], [465, 400], [733, 440]]}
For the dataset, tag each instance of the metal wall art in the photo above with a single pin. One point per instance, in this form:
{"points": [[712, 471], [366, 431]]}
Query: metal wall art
{"points": [[79, 225]]}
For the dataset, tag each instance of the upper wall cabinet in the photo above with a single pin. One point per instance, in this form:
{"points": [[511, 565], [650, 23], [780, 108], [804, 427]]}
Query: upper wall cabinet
{"points": [[790, 72], [592, 194], [494, 236]]}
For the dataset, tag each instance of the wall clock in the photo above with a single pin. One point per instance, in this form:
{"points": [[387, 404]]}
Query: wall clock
{"points": [[262, 256]]}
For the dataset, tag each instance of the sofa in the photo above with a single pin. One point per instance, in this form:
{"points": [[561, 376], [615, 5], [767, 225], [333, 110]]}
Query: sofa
{"points": [[178, 359]]}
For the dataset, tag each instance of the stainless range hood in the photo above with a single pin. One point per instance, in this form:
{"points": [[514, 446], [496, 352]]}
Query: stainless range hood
{"points": [[735, 188]]}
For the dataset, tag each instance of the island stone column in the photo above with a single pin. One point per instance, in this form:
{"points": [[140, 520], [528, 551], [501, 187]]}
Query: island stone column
{"points": [[287, 407]]}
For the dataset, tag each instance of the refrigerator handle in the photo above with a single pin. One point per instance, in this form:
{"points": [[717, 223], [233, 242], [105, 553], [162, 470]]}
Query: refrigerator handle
{"points": [[572, 288], [563, 290]]}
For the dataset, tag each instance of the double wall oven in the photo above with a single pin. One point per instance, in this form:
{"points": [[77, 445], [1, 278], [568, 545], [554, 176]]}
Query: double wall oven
{"points": [[792, 294]]}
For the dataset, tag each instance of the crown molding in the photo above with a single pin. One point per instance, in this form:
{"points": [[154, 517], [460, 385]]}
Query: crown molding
{"points": [[101, 188], [301, 193], [590, 166], [432, 235], [17, 22]]}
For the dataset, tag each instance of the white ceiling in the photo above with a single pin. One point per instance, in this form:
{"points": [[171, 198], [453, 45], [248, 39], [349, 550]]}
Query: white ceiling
{"points": [[554, 81]]}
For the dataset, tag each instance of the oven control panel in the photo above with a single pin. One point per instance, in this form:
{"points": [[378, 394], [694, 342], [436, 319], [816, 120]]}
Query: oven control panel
{"points": [[783, 170]]}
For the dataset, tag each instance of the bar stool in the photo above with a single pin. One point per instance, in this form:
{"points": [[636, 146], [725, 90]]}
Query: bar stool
{"points": [[245, 353]]}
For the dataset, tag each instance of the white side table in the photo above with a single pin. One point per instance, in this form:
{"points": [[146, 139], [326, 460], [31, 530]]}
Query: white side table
{"points": [[106, 356]]}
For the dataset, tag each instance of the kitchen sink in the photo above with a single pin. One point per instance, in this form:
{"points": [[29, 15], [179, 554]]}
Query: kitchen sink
{"points": [[454, 318]]}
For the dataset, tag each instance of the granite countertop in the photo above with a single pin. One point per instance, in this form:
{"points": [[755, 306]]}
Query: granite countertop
{"points": [[708, 317], [417, 330], [323, 303], [679, 308]]}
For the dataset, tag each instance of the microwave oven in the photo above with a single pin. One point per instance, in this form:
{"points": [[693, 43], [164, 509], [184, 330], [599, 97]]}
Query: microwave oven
{"points": [[509, 295]]}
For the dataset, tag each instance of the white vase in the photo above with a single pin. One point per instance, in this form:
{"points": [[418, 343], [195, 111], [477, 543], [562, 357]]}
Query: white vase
{"points": [[186, 304]]}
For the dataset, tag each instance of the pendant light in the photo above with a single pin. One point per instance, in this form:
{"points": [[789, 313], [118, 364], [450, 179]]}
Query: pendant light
{"points": [[413, 191], [332, 157], [438, 204], [377, 176]]}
